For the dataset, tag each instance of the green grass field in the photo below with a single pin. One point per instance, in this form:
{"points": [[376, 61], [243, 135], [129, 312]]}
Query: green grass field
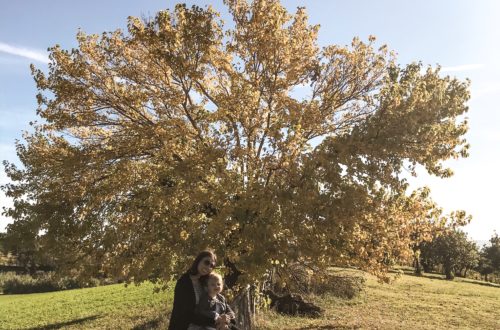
{"points": [[105, 307], [410, 303]]}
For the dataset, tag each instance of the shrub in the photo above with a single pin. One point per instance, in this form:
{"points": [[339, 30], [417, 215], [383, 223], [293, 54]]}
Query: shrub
{"points": [[298, 278], [28, 284], [6, 276], [342, 286], [43, 282]]}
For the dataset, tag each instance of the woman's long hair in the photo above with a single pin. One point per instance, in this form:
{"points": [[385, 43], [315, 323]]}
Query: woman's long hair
{"points": [[203, 254]]}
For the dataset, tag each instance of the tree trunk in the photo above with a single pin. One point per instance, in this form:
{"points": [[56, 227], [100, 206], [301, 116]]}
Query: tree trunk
{"points": [[418, 266], [244, 308], [243, 303], [426, 266], [449, 273]]}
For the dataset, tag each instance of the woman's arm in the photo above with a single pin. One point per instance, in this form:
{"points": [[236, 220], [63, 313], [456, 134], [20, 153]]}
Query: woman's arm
{"points": [[179, 319], [202, 320], [183, 310]]}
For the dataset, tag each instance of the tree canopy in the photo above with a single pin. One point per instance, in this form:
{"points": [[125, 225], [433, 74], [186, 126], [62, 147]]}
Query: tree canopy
{"points": [[181, 133], [489, 261], [453, 250]]}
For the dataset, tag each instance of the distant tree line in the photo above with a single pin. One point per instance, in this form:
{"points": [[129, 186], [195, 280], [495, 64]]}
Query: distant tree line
{"points": [[454, 254], [23, 255], [489, 261]]}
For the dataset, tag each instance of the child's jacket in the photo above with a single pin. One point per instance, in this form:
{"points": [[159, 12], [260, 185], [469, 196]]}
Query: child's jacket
{"points": [[212, 307]]}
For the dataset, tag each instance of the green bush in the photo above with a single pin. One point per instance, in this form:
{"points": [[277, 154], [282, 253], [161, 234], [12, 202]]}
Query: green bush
{"points": [[298, 278], [342, 286], [43, 282], [5, 276], [28, 284]]}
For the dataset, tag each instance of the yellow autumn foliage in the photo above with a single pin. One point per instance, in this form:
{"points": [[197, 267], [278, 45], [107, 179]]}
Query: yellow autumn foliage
{"points": [[180, 134]]}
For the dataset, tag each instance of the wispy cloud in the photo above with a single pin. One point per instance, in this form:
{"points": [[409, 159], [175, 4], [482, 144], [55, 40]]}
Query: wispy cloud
{"points": [[485, 89], [464, 67], [24, 52], [6, 148]]}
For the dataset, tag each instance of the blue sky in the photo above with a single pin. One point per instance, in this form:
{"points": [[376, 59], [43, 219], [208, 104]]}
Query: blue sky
{"points": [[462, 36]]}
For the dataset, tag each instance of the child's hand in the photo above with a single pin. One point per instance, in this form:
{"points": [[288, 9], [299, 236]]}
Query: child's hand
{"points": [[221, 325], [225, 318], [218, 320]]}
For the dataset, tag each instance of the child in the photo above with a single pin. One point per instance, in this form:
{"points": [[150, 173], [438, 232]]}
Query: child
{"points": [[212, 304]]}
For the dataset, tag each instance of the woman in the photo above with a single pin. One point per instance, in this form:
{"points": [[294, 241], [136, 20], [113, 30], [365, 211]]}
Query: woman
{"points": [[187, 293]]}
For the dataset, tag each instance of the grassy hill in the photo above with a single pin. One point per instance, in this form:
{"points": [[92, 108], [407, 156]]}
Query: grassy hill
{"points": [[412, 302], [105, 307]]}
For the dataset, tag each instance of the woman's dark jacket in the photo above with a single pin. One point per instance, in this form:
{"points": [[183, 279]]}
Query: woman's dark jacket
{"points": [[183, 311]]}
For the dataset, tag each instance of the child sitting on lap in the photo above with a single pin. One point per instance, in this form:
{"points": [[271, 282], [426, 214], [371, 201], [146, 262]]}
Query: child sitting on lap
{"points": [[212, 304]]}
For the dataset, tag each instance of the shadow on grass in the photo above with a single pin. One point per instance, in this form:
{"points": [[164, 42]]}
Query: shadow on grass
{"points": [[434, 276], [325, 327], [152, 324], [67, 323], [157, 323], [467, 280]]}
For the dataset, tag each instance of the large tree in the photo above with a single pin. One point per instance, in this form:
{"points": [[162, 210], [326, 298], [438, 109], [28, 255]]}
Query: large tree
{"points": [[181, 134], [490, 257], [453, 250]]}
